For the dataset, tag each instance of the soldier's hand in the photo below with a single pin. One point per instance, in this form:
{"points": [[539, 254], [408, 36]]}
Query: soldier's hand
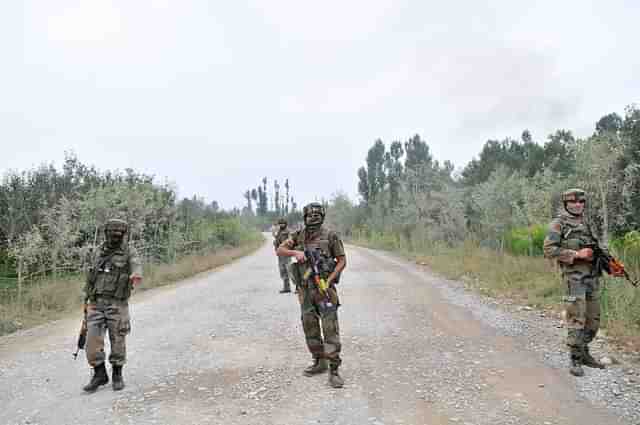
{"points": [[300, 256], [585, 254], [616, 268], [135, 280]]}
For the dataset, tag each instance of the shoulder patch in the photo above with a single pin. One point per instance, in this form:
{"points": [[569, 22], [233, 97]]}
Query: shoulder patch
{"points": [[555, 226]]}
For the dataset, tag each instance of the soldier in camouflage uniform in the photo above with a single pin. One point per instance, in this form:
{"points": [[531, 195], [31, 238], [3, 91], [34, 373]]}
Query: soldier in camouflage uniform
{"points": [[283, 262], [110, 281], [319, 319], [568, 242]]}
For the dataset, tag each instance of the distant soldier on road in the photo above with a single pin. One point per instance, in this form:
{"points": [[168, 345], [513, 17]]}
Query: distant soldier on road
{"points": [[281, 235], [110, 281], [568, 241], [319, 316]]}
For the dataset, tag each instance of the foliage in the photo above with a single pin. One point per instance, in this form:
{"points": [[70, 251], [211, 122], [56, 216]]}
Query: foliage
{"points": [[526, 240], [52, 221], [501, 205]]}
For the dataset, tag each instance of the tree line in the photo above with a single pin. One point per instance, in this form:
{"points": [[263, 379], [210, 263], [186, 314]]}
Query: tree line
{"points": [[51, 220], [266, 207], [503, 198]]}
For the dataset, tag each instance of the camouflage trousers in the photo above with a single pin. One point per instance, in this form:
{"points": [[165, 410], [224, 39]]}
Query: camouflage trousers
{"points": [[583, 310], [107, 314], [320, 324], [283, 266]]}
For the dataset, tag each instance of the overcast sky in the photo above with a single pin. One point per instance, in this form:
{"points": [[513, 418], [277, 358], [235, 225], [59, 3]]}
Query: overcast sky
{"points": [[215, 95]]}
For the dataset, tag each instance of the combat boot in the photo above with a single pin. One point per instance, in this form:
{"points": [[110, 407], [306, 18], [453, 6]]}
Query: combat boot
{"points": [[335, 380], [589, 361], [116, 377], [576, 365], [285, 291], [318, 366], [99, 378]]}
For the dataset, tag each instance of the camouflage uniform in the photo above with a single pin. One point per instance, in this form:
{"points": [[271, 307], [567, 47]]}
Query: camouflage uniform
{"points": [[283, 262], [323, 343], [107, 291], [569, 233]]}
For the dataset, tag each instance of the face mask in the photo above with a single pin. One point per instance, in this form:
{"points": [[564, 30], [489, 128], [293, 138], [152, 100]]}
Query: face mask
{"points": [[313, 221], [114, 239]]}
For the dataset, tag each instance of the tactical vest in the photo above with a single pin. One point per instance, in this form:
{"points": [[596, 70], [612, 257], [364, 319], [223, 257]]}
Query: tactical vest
{"points": [[320, 241], [110, 276], [576, 235]]}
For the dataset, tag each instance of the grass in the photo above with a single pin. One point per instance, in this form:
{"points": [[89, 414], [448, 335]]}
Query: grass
{"points": [[52, 299], [525, 280]]}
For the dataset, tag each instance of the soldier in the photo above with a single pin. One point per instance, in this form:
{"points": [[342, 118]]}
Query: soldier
{"points": [[319, 318], [281, 235], [568, 242], [108, 288]]}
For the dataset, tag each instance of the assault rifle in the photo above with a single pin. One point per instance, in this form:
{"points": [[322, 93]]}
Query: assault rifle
{"points": [[82, 337], [319, 267], [605, 262]]}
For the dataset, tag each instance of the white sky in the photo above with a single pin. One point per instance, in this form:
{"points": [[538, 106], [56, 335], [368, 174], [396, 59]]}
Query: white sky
{"points": [[216, 95]]}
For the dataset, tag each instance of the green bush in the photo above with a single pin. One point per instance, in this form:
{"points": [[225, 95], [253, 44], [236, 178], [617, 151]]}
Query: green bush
{"points": [[526, 240]]}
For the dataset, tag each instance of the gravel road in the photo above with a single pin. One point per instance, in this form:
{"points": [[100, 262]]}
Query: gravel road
{"points": [[226, 348]]}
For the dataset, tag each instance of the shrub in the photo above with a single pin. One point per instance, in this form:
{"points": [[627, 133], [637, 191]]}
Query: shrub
{"points": [[526, 240]]}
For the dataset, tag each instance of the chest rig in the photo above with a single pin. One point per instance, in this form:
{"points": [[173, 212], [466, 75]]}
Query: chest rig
{"points": [[316, 241], [110, 275], [282, 236], [576, 234]]}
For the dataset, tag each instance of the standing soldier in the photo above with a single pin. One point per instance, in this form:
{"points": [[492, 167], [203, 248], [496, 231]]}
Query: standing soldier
{"points": [[281, 235], [108, 288], [568, 241], [319, 318]]}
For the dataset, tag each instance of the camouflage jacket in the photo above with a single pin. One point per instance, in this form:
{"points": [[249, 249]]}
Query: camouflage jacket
{"points": [[567, 235], [110, 273]]}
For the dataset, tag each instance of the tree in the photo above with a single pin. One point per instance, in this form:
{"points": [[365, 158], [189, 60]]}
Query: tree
{"points": [[247, 196], [394, 170], [264, 204], [558, 153], [376, 178], [417, 154], [419, 169], [500, 203], [597, 159], [363, 185], [610, 123], [286, 207], [276, 197]]}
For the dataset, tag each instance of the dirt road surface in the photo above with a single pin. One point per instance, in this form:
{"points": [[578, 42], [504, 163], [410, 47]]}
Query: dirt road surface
{"points": [[226, 348]]}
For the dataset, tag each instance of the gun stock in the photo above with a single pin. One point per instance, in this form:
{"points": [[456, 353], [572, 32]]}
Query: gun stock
{"points": [[82, 335]]}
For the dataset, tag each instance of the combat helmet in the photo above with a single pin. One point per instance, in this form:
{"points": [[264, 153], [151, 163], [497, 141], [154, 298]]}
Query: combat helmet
{"points": [[116, 225], [574, 195], [282, 220], [313, 207]]}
